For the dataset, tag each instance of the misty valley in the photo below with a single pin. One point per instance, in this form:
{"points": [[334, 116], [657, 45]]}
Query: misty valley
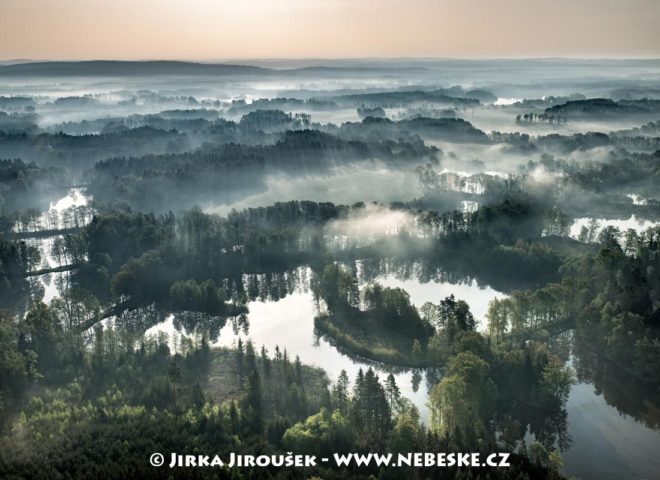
{"points": [[357, 256]]}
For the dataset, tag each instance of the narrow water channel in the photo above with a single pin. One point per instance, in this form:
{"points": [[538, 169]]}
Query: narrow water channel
{"points": [[606, 444]]}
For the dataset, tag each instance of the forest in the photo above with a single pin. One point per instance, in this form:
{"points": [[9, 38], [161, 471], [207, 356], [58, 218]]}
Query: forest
{"points": [[226, 259]]}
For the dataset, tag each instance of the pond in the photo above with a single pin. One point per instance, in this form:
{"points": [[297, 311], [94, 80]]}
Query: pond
{"points": [[607, 444], [289, 324], [53, 218]]}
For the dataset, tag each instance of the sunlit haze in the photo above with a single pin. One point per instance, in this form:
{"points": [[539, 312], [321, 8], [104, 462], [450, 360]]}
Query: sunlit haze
{"points": [[222, 29], [245, 238]]}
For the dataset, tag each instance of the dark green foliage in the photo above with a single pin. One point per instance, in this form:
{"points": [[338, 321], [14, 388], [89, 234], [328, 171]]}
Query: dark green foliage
{"points": [[16, 258], [81, 397], [26, 185]]}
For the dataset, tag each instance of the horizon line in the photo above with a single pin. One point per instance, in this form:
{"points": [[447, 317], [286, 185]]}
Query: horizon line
{"points": [[363, 58]]}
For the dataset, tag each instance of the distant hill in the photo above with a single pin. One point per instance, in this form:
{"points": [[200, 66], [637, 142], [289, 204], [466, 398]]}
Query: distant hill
{"points": [[109, 68], [116, 68]]}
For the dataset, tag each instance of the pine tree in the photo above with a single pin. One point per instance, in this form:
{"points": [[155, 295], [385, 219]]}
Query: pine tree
{"points": [[198, 397], [340, 392], [253, 402], [265, 362], [250, 356], [174, 375], [233, 417], [393, 392], [298, 368], [371, 412], [240, 359], [99, 347]]}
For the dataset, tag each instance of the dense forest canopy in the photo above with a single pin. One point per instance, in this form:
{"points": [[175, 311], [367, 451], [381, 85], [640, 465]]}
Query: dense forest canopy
{"points": [[461, 258]]}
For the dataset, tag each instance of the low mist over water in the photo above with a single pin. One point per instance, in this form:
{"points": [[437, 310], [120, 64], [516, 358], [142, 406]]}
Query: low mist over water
{"points": [[311, 256]]}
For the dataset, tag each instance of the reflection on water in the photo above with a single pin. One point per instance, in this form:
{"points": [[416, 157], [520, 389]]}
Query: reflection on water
{"points": [[637, 224], [607, 445], [57, 216], [613, 418], [289, 324], [607, 431], [426, 283], [630, 396], [53, 283], [476, 297]]}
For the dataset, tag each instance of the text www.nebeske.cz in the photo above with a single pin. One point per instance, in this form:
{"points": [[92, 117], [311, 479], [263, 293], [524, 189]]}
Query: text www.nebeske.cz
{"points": [[418, 459]]}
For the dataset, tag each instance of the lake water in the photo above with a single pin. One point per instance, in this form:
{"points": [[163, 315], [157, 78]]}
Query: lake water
{"points": [[75, 197], [289, 324], [607, 445]]}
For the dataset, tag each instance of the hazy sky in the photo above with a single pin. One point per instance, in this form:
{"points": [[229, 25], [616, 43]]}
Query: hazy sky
{"points": [[231, 29]]}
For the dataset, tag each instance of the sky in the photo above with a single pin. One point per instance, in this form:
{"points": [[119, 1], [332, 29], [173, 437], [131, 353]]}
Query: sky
{"points": [[252, 29]]}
